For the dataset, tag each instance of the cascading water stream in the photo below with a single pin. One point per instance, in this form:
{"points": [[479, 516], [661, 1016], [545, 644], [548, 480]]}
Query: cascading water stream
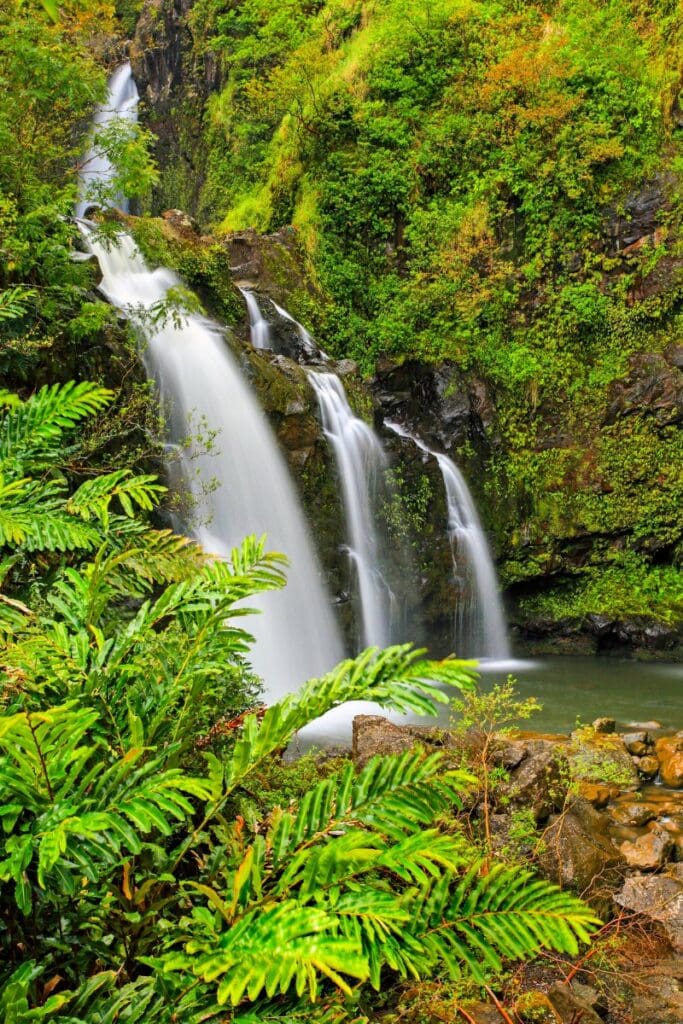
{"points": [[296, 636], [479, 618], [361, 461], [259, 327], [306, 339], [96, 169]]}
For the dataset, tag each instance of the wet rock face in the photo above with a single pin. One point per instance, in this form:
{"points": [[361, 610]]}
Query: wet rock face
{"points": [[541, 779], [640, 218], [579, 852], [599, 634], [670, 756], [437, 403], [654, 383], [658, 898], [173, 85], [648, 852]]}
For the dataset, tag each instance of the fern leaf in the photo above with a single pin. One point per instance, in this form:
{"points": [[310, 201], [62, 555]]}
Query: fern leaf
{"points": [[34, 425]]}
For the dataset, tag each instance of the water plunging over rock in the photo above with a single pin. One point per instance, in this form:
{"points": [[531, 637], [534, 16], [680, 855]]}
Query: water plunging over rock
{"points": [[202, 388], [479, 621], [259, 327], [97, 170], [361, 463]]}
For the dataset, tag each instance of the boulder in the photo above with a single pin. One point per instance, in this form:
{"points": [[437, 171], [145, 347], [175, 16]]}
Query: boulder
{"points": [[650, 851], [597, 755], [597, 794], [541, 780], [604, 725], [634, 813], [579, 853], [571, 1007], [658, 898], [182, 224], [648, 766], [669, 751], [374, 734], [658, 997]]}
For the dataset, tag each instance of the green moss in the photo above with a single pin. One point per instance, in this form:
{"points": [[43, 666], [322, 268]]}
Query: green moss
{"points": [[203, 264], [626, 586]]}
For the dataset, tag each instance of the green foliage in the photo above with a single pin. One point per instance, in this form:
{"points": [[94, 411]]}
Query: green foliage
{"points": [[37, 512], [457, 175], [126, 869], [626, 586], [52, 73]]}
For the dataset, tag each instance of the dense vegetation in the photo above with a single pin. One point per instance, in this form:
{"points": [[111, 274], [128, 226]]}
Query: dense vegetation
{"points": [[427, 160], [463, 177], [131, 889]]}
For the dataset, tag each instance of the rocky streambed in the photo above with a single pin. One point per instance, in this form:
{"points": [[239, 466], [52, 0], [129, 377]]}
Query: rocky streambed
{"points": [[597, 811]]}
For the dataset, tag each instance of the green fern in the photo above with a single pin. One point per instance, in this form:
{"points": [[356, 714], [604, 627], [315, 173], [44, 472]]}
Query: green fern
{"points": [[31, 429]]}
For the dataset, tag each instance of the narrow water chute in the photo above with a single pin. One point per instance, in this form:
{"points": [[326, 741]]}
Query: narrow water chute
{"points": [[479, 619], [360, 462]]}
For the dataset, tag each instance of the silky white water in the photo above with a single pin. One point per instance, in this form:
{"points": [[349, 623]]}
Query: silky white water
{"points": [[306, 339], [360, 462], [479, 620], [96, 169], [259, 327], [202, 389]]}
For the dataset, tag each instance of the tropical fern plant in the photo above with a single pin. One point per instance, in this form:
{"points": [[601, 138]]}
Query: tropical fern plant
{"points": [[130, 887], [39, 510], [189, 910]]}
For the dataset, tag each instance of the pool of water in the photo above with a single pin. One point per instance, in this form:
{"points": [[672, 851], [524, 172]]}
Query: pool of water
{"points": [[587, 688], [568, 689]]}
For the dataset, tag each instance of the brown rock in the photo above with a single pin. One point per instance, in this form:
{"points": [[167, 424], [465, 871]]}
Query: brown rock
{"points": [[483, 1013], [540, 783], [374, 734], [636, 742], [658, 898], [182, 224], [633, 813], [670, 755], [652, 384], [658, 997], [597, 794], [650, 851], [604, 725], [570, 1007], [601, 757], [536, 1008], [579, 853], [648, 766], [637, 749]]}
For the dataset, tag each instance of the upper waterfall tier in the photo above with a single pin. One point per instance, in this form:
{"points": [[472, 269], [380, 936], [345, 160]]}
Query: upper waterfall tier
{"points": [[97, 170], [229, 461]]}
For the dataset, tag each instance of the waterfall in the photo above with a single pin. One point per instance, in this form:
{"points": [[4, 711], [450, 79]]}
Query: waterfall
{"points": [[306, 339], [259, 327], [361, 461], [96, 169], [479, 626], [296, 635]]}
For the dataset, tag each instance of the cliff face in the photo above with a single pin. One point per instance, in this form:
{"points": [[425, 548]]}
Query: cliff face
{"points": [[532, 333]]}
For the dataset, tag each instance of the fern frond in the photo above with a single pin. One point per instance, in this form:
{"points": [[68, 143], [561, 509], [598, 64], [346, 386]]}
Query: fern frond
{"points": [[71, 808], [270, 950], [94, 497], [495, 914], [395, 677], [33, 426]]}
